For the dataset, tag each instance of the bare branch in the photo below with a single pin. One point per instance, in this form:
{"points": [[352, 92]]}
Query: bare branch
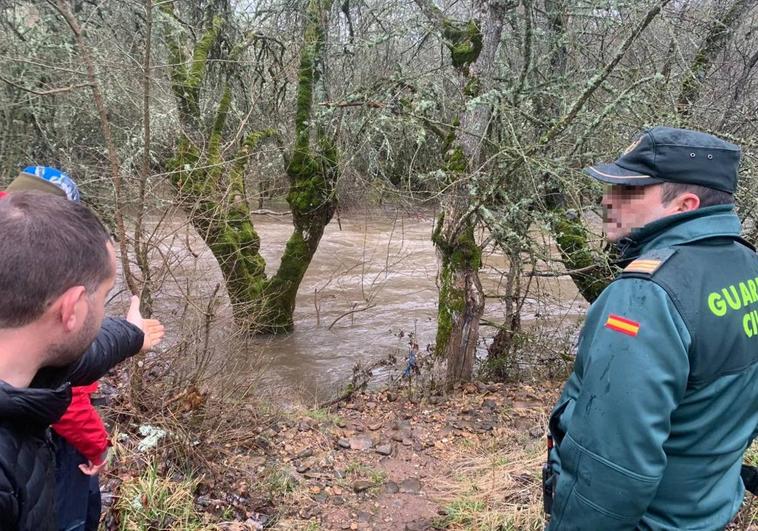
{"points": [[599, 78], [431, 12], [64, 10], [50, 92], [718, 35], [351, 312]]}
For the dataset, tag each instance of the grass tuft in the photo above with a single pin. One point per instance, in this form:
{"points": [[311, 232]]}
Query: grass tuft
{"points": [[495, 487], [150, 501], [322, 416]]}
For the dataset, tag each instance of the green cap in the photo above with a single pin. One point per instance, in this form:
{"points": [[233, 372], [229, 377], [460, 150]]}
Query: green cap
{"points": [[27, 181]]}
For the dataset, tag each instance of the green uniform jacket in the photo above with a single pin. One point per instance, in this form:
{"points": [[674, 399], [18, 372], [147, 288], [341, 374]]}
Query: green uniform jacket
{"points": [[653, 423]]}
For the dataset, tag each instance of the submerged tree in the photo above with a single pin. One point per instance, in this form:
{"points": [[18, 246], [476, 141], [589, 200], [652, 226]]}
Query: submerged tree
{"points": [[213, 188]]}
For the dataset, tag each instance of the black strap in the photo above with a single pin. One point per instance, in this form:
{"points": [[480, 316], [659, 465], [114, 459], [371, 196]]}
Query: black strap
{"points": [[749, 476]]}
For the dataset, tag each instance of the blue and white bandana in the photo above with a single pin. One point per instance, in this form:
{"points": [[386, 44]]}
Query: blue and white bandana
{"points": [[58, 178]]}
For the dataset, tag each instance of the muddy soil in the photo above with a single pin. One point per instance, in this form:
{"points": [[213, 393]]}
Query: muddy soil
{"points": [[385, 460]]}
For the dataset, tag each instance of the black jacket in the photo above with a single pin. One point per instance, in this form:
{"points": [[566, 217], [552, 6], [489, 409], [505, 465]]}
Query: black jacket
{"points": [[27, 466]]}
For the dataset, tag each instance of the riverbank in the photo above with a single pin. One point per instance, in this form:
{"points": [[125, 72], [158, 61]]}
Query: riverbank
{"points": [[383, 460], [387, 461]]}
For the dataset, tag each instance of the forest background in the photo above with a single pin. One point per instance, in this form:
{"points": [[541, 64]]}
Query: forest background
{"points": [[185, 122]]}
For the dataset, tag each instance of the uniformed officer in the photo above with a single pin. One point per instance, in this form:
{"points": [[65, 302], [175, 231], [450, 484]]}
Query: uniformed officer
{"points": [[652, 425]]}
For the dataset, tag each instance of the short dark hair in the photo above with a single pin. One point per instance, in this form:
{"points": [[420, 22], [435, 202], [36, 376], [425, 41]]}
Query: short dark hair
{"points": [[708, 196], [48, 244]]}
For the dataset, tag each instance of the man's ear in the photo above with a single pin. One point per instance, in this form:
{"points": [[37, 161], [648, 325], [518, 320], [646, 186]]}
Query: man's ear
{"points": [[687, 201], [72, 307]]}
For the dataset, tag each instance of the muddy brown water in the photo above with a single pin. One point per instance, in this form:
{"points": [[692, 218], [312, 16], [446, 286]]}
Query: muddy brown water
{"points": [[371, 282]]}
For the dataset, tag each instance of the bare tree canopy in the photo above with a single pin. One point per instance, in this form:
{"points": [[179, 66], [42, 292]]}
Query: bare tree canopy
{"points": [[484, 110]]}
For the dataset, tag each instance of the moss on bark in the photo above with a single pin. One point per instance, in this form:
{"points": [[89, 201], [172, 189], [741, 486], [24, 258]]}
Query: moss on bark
{"points": [[463, 41], [584, 266], [188, 74], [458, 258], [214, 142], [223, 220]]}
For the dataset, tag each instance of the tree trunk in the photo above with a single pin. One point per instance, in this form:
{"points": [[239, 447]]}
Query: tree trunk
{"points": [[216, 199], [312, 171], [473, 47], [498, 353], [461, 300]]}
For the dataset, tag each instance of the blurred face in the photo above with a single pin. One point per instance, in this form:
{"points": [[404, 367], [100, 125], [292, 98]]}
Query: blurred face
{"points": [[631, 207], [72, 348]]}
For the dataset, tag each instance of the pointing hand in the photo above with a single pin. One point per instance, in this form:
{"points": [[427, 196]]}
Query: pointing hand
{"points": [[152, 328]]}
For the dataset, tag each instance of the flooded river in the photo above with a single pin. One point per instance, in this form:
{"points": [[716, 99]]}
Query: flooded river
{"points": [[371, 282]]}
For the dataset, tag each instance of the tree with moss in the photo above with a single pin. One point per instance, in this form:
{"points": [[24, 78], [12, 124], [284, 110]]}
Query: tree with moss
{"points": [[505, 160], [212, 187], [473, 47]]}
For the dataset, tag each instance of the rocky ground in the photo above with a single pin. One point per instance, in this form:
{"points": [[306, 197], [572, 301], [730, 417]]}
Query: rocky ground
{"points": [[386, 461]]}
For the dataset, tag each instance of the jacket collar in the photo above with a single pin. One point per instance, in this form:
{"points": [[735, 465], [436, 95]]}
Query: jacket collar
{"points": [[33, 407], [703, 223]]}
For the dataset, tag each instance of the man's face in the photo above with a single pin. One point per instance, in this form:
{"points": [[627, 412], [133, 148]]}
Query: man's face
{"points": [[71, 349], [631, 207]]}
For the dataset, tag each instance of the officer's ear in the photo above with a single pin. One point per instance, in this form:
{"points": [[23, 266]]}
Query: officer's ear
{"points": [[684, 202], [689, 201]]}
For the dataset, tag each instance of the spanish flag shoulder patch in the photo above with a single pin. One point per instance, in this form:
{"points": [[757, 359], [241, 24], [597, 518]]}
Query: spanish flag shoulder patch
{"points": [[623, 325]]}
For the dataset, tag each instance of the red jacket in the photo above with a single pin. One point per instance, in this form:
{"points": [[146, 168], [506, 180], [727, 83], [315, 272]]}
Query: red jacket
{"points": [[82, 427]]}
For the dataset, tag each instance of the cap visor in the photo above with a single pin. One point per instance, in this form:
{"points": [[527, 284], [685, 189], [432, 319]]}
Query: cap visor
{"points": [[614, 174], [27, 182]]}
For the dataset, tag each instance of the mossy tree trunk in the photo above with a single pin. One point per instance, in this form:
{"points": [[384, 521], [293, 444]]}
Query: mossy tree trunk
{"points": [[587, 267], [312, 171], [473, 47], [461, 299], [499, 361], [213, 189]]}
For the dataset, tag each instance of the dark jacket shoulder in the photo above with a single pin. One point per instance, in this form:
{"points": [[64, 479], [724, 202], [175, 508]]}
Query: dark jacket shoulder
{"points": [[117, 340]]}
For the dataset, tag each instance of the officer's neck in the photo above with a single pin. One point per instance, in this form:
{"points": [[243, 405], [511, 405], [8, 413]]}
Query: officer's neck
{"points": [[639, 239]]}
